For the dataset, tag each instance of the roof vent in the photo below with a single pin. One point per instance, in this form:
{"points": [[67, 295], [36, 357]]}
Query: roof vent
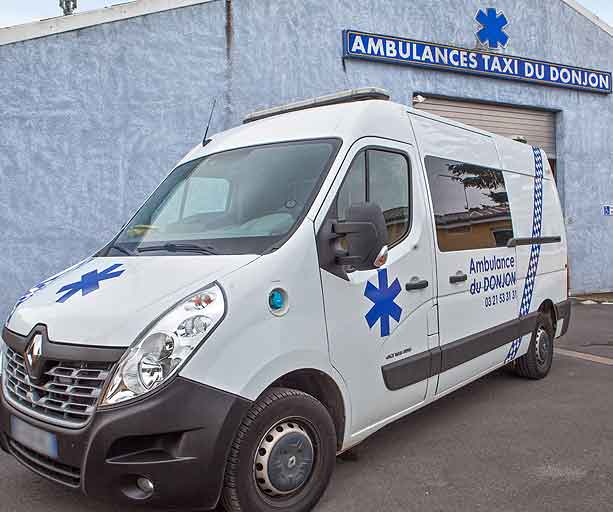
{"points": [[366, 93]]}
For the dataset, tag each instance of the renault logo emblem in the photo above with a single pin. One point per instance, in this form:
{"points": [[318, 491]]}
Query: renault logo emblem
{"points": [[34, 358]]}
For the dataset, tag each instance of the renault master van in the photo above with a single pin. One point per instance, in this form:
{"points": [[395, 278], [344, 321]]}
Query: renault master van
{"points": [[293, 285]]}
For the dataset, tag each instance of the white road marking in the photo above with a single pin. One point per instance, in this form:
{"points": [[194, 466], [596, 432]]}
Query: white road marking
{"points": [[584, 356]]}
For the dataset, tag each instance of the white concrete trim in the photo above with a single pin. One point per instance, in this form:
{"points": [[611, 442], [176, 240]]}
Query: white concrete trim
{"points": [[584, 11], [136, 8], [81, 20], [582, 355]]}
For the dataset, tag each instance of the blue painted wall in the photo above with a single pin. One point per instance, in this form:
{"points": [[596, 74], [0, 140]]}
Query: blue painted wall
{"points": [[93, 119]]}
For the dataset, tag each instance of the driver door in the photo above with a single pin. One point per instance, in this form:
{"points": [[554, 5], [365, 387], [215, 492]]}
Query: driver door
{"points": [[377, 320]]}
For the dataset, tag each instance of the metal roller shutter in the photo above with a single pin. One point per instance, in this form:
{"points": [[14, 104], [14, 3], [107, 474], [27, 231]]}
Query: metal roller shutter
{"points": [[537, 126]]}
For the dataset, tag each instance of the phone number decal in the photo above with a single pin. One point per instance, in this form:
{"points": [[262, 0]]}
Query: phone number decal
{"points": [[500, 298], [493, 274]]}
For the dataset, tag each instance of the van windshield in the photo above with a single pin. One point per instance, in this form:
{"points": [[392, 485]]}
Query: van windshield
{"points": [[242, 201]]}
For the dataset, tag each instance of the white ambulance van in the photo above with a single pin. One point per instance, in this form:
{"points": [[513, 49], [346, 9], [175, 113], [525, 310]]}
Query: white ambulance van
{"points": [[293, 285]]}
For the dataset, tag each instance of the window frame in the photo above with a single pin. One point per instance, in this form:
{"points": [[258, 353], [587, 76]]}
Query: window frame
{"points": [[333, 212], [433, 210]]}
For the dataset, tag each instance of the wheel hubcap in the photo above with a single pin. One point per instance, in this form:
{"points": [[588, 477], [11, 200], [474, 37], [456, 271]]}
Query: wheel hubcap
{"points": [[284, 459], [542, 347]]}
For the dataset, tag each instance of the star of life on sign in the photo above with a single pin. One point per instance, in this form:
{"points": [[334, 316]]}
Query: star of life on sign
{"points": [[399, 50], [492, 28]]}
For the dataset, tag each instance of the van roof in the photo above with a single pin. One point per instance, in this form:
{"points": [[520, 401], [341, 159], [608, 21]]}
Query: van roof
{"points": [[348, 121]]}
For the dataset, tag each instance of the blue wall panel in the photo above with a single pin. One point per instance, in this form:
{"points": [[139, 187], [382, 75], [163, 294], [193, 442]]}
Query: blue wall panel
{"points": [[93, 119]]}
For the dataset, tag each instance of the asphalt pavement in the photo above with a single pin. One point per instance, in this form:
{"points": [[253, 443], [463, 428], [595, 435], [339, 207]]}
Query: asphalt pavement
{"points": [[499, 444]]}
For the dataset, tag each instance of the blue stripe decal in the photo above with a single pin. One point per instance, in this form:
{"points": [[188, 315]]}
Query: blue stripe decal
{"points": [[535, 253]]}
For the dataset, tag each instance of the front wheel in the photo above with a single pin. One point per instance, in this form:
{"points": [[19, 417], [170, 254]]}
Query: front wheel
{"points": [[536, 363], [283, 455]]}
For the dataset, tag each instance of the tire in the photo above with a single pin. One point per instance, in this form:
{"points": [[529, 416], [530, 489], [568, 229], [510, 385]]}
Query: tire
{"points": [[283, 455], [536, 363]]}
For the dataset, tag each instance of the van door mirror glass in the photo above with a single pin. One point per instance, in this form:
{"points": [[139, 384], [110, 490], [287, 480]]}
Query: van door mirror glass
{"points": [[361, 237]]}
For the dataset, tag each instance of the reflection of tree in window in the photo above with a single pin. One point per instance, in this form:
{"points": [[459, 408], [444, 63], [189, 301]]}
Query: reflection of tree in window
{"points": [[471, 205], [489, 183]]}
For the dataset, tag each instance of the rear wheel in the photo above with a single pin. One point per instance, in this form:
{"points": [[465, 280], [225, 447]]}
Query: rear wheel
{"points": [[536, 363], [283, 455]]}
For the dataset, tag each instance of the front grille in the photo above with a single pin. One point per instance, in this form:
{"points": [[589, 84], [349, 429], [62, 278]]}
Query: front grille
{"points": [[66, 396], [46, 467]]}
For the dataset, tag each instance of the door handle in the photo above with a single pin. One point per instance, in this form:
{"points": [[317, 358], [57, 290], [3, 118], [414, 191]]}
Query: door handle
{"points": [[416, 284], [458, 278]]}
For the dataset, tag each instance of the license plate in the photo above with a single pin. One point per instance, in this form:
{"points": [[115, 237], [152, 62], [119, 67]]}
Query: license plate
{"points": [[34, 438]]}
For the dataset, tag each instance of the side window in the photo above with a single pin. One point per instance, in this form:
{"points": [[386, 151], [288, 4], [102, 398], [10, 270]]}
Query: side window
{"points": [[353, 189], [471, 206], [381, 177], [388, 186]]}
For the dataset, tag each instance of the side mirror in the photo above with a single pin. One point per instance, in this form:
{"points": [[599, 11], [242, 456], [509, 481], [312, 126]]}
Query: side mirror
{"points": [[361, 239]]}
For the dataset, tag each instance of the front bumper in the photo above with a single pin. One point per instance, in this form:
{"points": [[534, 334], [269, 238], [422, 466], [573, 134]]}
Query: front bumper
{"points": [[178, 438]]}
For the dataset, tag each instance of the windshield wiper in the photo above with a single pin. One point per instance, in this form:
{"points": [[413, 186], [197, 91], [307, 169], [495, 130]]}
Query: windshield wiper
{"points": [[170, 247], [121, 249]]}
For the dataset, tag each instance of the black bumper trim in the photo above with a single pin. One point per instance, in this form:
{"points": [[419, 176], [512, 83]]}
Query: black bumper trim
{"points": [[564, 312], [45, 467], [3, 444], [408, 371], [179, 438], [427, 364]]}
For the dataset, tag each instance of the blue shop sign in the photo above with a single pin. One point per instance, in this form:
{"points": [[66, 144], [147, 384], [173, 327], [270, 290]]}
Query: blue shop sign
{"points": [[398, 50]]}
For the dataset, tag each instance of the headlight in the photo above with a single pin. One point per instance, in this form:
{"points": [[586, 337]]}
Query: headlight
{"points": [[163, 348]]}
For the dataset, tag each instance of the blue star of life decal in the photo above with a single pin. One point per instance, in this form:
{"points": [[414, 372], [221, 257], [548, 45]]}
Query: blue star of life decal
{"points": [[89, 282], [492, 32], [384, 305], [26, 296]]}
